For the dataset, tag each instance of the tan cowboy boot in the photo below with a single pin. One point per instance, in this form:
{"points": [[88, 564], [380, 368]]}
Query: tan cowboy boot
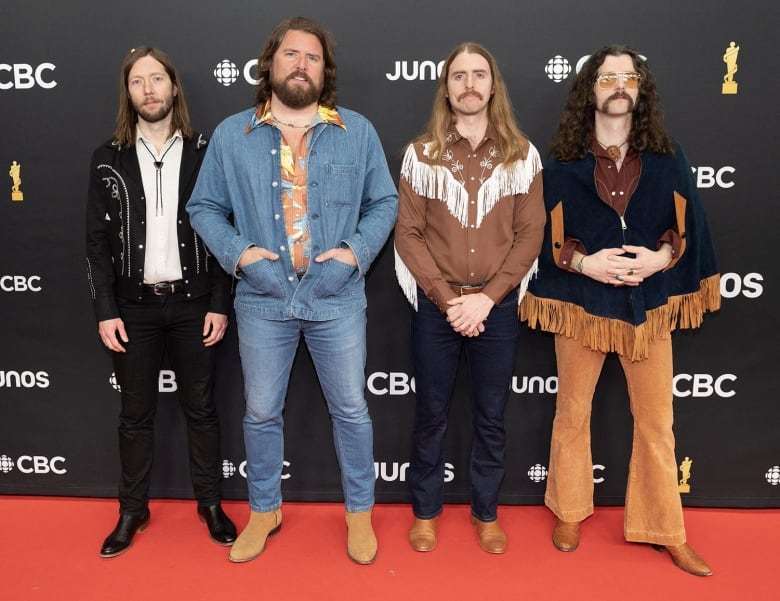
{"points": [[491, 536], [251, 542], [423, 534], [361, 541], [566, 535], [685, 558]]}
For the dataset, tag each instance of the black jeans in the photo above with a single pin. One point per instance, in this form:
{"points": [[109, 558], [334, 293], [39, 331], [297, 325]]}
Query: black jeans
{"points": [[173, 325]]}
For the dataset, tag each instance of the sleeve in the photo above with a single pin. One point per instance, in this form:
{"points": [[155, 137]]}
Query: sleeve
{"points": [[529, 218], [100, 264], [415, 265]]}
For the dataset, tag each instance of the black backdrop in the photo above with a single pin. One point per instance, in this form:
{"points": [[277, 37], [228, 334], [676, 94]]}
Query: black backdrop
{"points": [[59, 64]]}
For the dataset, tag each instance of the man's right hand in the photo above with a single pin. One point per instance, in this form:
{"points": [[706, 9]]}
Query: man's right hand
{"points": [[111, 331], [254, 254]]}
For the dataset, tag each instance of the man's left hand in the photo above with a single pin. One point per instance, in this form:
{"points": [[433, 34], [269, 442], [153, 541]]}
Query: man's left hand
{"points": [[344, 255], [214, 327], [467, 313]]}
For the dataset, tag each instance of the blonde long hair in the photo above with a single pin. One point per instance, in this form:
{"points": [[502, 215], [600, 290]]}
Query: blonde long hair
{"points": [[512, 143]]}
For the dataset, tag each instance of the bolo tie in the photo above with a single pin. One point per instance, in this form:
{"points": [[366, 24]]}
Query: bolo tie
{"points": [[158, 201]]}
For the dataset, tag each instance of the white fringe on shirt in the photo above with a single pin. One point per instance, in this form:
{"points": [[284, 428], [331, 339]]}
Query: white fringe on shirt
{"points": [[437, 182]]}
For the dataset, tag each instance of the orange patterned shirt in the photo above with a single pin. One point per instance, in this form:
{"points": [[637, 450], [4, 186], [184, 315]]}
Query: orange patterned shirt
{"points": [[295, 184]]}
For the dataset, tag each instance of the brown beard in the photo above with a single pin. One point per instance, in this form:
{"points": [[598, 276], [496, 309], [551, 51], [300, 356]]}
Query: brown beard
{"points": [[154, 117], [295, 96]]}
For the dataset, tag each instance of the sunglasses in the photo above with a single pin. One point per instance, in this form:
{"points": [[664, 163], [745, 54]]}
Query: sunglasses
{"points": [[607, 81]]}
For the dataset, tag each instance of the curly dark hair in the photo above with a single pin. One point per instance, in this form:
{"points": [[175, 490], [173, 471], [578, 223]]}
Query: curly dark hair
{"points": [[328, 95], [574, 137]]}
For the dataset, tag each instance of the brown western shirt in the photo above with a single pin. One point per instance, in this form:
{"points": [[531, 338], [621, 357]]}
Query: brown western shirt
{"points": [[467, 220]]}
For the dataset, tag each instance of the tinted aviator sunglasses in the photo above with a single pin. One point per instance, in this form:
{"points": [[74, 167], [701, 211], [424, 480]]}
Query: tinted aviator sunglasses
{"points": [[607, 81]]}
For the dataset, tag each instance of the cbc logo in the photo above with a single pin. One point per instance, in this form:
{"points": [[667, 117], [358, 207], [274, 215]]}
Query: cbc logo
{"points": [[20, 283], [709, 177], [24, 77], [229, 469], [538, 473], [166, 382], [392, 383], [226, 72], [558, 68], [749, 285], [704, 385], [33, 464]]}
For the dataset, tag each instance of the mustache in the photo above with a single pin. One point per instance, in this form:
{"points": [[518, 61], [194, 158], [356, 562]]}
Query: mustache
{"points": [[470, 92], [618, 96], [299, 73]]}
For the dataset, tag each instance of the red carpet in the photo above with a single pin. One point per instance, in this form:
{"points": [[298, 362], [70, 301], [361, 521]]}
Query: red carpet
{"points": [[50, 549]]}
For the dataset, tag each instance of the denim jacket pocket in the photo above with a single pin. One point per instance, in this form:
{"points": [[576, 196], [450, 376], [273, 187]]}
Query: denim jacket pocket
{"points": [[334, 278], [340, 185], [262, 277]]}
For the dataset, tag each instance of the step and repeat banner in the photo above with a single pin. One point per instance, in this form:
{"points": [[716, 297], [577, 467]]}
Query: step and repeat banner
{"points": [[59, 70]]}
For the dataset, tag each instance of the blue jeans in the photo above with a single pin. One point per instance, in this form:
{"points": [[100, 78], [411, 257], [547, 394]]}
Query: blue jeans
{"points": [[338, 348], [436, 350]]}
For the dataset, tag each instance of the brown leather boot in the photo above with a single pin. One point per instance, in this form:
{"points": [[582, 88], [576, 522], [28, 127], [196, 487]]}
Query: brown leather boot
{"points": [[361, 540], [490, 534], [566, 536], [685, 558], [251, 542], [423, 534]]}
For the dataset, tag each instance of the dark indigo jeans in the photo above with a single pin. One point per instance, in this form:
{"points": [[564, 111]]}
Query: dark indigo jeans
{"points": [[436, 349]]}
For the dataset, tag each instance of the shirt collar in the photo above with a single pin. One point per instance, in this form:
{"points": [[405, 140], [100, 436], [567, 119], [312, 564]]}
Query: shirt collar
{"points": [[176, 136], [263, 116], [453, 137]]}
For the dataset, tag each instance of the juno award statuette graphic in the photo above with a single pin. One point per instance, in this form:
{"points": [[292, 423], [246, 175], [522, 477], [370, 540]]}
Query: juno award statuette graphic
{"points": [[15, 174], [685, 468], [730, 58]]}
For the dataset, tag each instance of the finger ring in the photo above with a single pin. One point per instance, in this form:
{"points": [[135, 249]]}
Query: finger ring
{"points": [[630, 272], [619, 278]]}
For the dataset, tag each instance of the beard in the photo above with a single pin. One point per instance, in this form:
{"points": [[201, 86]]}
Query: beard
{"points": [[153, 116], [294, 95]]}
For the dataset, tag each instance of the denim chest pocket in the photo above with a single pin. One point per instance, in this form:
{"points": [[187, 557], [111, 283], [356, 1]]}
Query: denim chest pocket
{"points": [[340, 185]]}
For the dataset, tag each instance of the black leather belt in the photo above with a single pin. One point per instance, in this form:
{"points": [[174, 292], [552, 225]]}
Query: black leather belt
{"points": [[165, 288]]}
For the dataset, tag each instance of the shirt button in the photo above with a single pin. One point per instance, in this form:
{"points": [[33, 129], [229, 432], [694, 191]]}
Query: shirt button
{"points": [[184, 268], [273, 151], [282, 248], [472, 274], [472, 250], [289, 279], [140, 246], [276, 216], [472, 178], [621, 192], [275, 184], [613, 193]]}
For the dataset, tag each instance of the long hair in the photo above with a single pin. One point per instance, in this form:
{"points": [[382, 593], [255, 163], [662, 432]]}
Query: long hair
{"points": [[512, 143], [127, 116], [328, 95], [576, 128]]}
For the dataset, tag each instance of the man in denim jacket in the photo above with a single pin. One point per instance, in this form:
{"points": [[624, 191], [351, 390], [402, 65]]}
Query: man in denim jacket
{"points": [[295, 198]]}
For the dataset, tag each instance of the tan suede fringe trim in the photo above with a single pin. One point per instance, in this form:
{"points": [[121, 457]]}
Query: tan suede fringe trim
{"points": [[608, 335]]}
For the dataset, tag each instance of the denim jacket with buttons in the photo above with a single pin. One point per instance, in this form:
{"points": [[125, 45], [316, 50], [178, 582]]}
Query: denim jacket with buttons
{"points": [[352, 202]]}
